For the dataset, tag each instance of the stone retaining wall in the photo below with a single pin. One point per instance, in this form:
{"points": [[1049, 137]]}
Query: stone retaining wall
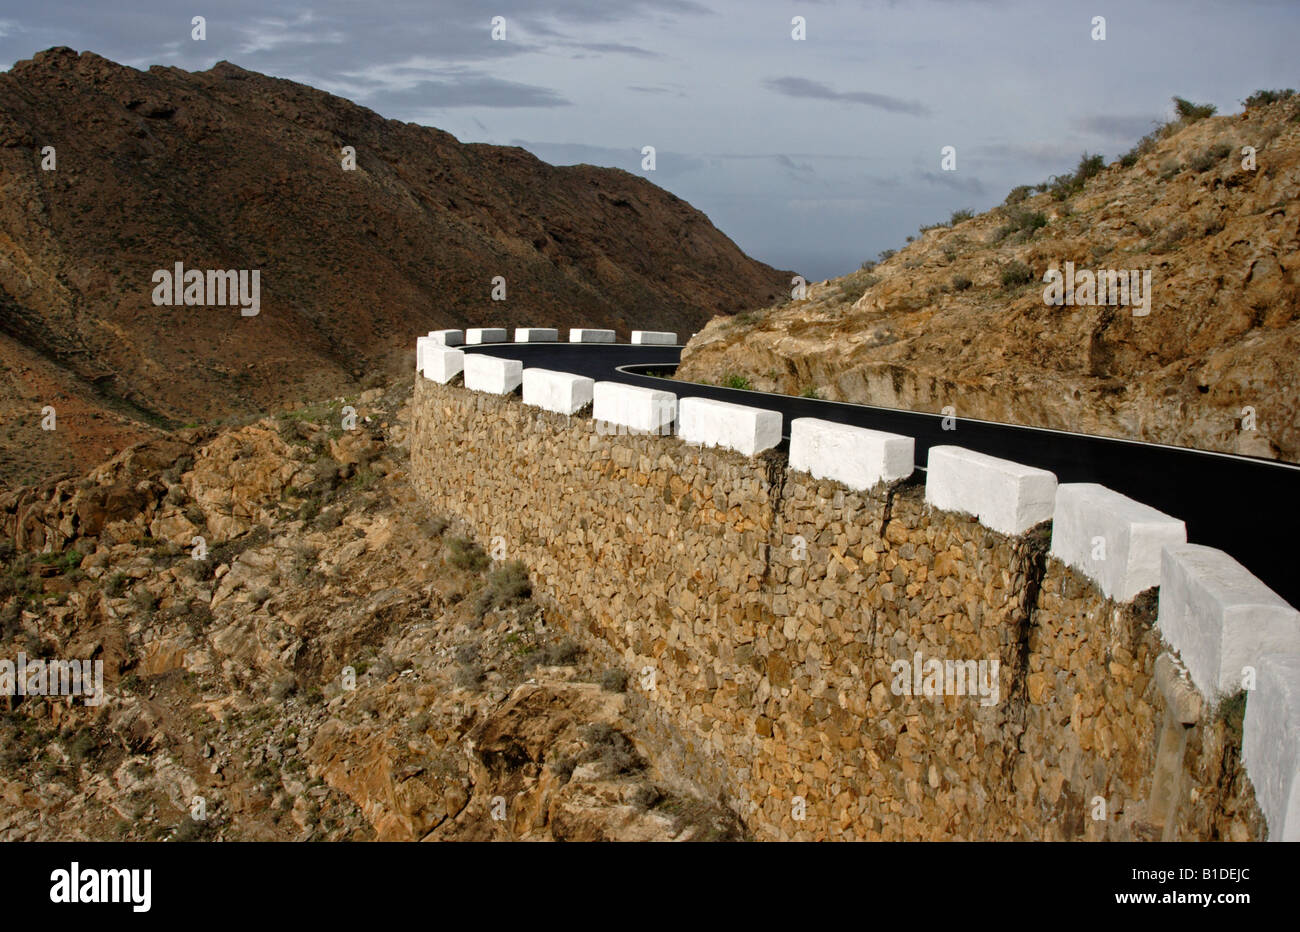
{"points": [[763, 616]]}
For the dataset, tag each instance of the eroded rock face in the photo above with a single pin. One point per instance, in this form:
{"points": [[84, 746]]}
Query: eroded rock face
{"points": [[330, 665], [238, 475], [935, 325]]}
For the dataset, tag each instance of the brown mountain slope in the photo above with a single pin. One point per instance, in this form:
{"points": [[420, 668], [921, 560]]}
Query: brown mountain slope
{"points": [[228, 169], [959, 318]]}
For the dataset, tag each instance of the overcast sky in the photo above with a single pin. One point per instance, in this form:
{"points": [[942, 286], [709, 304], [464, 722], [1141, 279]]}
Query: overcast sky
{"points": [[812, 155]]}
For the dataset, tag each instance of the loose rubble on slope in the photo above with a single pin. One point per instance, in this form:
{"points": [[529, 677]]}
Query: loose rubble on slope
{"points": [[232, 583]]}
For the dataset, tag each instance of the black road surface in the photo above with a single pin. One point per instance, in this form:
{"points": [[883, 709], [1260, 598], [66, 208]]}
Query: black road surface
{"points": [[1246, 506]]}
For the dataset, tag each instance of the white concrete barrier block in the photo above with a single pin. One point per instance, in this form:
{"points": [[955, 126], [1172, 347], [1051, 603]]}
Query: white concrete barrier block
{"points": [[448, 337], [656, 337], [722, 424], [492, 374], [536, 335], [854, 456], [1270, 744], [420, 344], [442, 364], [581, 335], [1004, 495], [1110, 538], [560, 392], [475, 336], [1220, 618], [640, 409]]}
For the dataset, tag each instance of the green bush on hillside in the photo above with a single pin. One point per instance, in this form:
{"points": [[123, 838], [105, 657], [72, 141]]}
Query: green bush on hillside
{"points": [[1189, 112], [1263, 98]]}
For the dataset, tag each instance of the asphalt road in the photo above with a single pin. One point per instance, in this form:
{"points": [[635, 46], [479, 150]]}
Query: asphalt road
{"points": [[1246, 506]]}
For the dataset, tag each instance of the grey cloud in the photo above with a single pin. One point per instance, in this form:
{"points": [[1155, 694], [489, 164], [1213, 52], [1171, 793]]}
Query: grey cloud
{"points": [[1041, 154], [667, 164], [786, 162], [968, 184], [1117, 127], [815, 90], [615, 48], [468, 89]]}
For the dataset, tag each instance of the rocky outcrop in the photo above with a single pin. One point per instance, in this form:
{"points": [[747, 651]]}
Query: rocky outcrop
{"points": [[294, 648], [957, 319]]}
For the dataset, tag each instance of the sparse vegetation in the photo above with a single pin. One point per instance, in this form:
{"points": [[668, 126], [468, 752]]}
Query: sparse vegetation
{"points": [[562, 653], [434, 526], [464, 554], [1022, 221], [604, 744], [733, 380], [506, 585], [1067, 185], [1263, 98], [1018, 194], [1016, 273], [1210, 157], [469, 676], [960, 283], [614, 680], [961, 216], [852, 287], [1189, 112]]}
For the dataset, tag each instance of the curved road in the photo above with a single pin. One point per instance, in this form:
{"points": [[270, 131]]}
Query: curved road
{"points": [[1246, 506]]}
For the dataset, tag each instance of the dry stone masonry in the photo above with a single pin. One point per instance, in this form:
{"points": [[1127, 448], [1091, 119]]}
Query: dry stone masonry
{"points": [[846, 652]]}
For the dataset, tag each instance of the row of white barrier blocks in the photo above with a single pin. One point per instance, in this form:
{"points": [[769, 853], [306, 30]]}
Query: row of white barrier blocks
{"points": [[476, 336], [1230, 630], [1227, 626]]}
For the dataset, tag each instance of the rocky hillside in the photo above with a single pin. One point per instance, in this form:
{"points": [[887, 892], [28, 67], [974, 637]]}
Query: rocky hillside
{"points": [[228, 667], [229, 169], [958, 318]]}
